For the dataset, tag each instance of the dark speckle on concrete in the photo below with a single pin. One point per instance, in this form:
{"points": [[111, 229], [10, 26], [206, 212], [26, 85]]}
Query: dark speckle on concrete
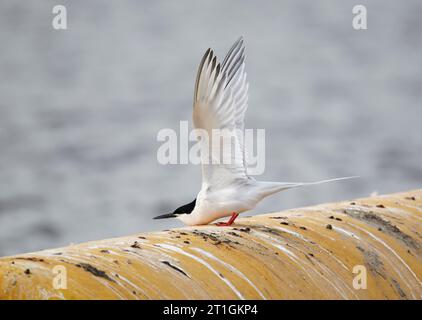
{"points": [[233, 234], [136, 245], [216, 238], [398, 288], [30, 259], [175, 267], [386, 226], [246, 229], [373, 261], [96, 272]]}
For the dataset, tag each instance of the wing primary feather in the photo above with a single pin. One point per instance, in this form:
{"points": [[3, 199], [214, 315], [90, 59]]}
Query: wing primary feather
{"points": [[217, 80], [238, 44], [217, 73], [236, 65], [198, 75], [204, 76]]}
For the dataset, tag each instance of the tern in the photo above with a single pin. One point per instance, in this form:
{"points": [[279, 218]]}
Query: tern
{"points": [[220, 102]]}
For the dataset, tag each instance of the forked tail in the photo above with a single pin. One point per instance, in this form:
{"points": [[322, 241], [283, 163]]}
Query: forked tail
{"points": [[269, 188]]}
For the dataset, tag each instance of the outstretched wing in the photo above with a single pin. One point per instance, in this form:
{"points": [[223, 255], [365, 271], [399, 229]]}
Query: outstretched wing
{"points": [[234, 65], [220, 102]]}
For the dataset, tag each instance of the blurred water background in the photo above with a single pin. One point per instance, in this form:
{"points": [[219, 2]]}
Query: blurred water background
{"points": [[80, 109]]}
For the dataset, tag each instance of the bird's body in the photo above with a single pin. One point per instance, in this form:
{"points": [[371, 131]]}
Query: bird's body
{"points": [[220, 103], [216, 203]]}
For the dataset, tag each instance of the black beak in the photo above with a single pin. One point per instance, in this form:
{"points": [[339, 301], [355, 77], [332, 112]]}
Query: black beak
{"points": [[165, 216]]}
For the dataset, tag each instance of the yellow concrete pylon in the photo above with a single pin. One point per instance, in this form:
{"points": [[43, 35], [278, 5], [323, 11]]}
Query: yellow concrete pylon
{"points": [[363, 249]]}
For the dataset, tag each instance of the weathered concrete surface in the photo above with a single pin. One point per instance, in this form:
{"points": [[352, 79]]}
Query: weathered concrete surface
{"points": [[305, 253]]}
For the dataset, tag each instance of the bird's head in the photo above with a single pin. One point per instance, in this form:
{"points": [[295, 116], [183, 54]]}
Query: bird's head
{"points": [[180, 213]]}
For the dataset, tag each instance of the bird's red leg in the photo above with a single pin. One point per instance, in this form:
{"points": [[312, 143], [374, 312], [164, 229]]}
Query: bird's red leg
{"points": [[230, 222]]}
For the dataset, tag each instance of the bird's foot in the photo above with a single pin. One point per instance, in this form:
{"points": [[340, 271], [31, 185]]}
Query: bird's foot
{"points": [[228, 223]]}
